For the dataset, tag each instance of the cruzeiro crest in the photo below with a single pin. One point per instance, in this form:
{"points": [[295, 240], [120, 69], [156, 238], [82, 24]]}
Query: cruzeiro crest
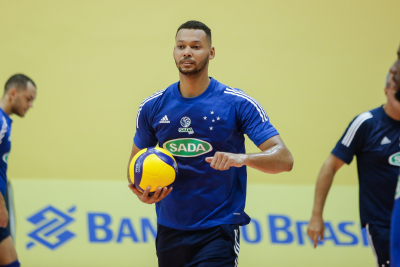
{"points": [[185, 122], [50, 227]]}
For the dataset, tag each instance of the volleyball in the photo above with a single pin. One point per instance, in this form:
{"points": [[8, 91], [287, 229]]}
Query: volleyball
{"points": [[154, 167]]}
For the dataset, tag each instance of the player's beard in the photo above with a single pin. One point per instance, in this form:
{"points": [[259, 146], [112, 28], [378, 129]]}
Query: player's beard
{"points": [[16, 107], [198, 67]]}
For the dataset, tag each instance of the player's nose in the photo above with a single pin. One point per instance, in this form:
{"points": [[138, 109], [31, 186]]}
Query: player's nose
{"points": [[187, 52]]}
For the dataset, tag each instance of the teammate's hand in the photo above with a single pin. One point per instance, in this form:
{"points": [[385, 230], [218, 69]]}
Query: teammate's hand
{"points": [[3, 215], [316, 229], [158, 195], [223, 160]]}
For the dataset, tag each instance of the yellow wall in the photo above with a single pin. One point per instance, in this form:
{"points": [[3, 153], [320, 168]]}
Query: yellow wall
{"points": [[312, 64]]}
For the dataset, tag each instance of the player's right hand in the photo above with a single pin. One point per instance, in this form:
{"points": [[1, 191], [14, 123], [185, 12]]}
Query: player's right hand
{"points": [[316, 229], [3, 216], [158, 195]]}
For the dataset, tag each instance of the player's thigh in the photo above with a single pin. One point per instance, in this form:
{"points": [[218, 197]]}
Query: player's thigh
{"points": [[8, 254], [215, 246], [171, 247], [219, 248]]}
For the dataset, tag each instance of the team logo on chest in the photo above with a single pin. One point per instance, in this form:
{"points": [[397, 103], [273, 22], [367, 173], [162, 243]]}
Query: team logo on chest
{"points": [[185, 122], [5, 157], [187, 147], [395, 159]]}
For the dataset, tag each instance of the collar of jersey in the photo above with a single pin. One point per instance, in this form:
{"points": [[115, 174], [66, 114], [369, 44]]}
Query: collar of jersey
{"points": [[386, 116], [6, 116], [198, 98]]}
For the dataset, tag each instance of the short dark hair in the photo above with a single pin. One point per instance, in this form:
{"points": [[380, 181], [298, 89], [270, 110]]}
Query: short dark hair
{"points": [[196, 25], [17, 81]]}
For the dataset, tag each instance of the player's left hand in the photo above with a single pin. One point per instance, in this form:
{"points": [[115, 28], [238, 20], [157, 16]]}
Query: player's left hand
{"points": [[158, 195], [223, 160]]}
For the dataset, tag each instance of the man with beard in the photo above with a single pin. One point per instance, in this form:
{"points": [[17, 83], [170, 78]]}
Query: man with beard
{"points": [[19, 94], [373, 137], [202, 122], [395, 227]]}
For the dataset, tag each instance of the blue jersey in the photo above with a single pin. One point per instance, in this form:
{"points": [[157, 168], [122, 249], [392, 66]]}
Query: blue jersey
{"points": [[5, 146], [193, 129], [373, 137], [395, 231]]}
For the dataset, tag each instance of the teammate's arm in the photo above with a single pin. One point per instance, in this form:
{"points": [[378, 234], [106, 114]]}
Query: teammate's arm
{"points": [[3, 212], [274, 157], [316, 226], [158, 195]]}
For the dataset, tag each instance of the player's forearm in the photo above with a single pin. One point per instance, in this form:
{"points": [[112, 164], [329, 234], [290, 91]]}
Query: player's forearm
{"points": [[322, 188], [273, 160]]}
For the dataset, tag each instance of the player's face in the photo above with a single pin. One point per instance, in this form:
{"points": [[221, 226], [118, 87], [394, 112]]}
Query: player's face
{"points": [[23, 100], [390, 92], [192, 51], [395, 70]]}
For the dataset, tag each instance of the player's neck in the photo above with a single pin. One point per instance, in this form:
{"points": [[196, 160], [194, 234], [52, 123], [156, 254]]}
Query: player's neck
{"points": [[5, 105], [391, 112], [193, 85]]}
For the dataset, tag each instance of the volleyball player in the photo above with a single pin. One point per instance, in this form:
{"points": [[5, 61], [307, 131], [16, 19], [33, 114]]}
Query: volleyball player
{"points": [[395, 227], [373, 137], [205, 120], [18, 97]]}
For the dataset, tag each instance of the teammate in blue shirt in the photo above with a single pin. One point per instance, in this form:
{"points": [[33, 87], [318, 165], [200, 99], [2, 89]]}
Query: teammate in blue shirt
{"points": [[202, 122], [373, 137], [395, 227], [19, 93]]}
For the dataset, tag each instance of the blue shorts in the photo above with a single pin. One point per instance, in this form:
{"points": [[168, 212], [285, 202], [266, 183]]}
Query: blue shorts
{"points": [[4, 233], [379, 238], [215, 246]]}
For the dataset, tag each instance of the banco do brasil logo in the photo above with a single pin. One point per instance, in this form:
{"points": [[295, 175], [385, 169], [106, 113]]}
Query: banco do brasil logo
{"points": [[50, 227]]}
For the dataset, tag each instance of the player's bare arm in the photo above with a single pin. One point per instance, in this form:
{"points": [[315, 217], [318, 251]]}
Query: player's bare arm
{"points": [[274, 157], [316, 226], [158, 195], [3, 212]]}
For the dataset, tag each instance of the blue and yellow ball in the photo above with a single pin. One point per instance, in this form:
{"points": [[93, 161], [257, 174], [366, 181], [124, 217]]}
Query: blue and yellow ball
{"points": [[154, 167]]}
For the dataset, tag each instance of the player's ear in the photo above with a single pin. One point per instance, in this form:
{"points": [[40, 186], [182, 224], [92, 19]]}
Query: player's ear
{"points": [[12, 93], [212, 53]]}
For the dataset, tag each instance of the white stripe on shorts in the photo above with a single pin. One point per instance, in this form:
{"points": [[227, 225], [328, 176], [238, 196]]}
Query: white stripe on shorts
{"points": [[372, 244], [236, 248]]}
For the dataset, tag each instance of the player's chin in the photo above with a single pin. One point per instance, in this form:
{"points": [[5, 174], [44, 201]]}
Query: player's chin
{"points": [[188, 70], [21, 113]]}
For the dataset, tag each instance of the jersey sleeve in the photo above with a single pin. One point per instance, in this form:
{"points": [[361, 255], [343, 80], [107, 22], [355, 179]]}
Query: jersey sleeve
{"points": [[254, 120], [353, 138], [145, 134]]}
